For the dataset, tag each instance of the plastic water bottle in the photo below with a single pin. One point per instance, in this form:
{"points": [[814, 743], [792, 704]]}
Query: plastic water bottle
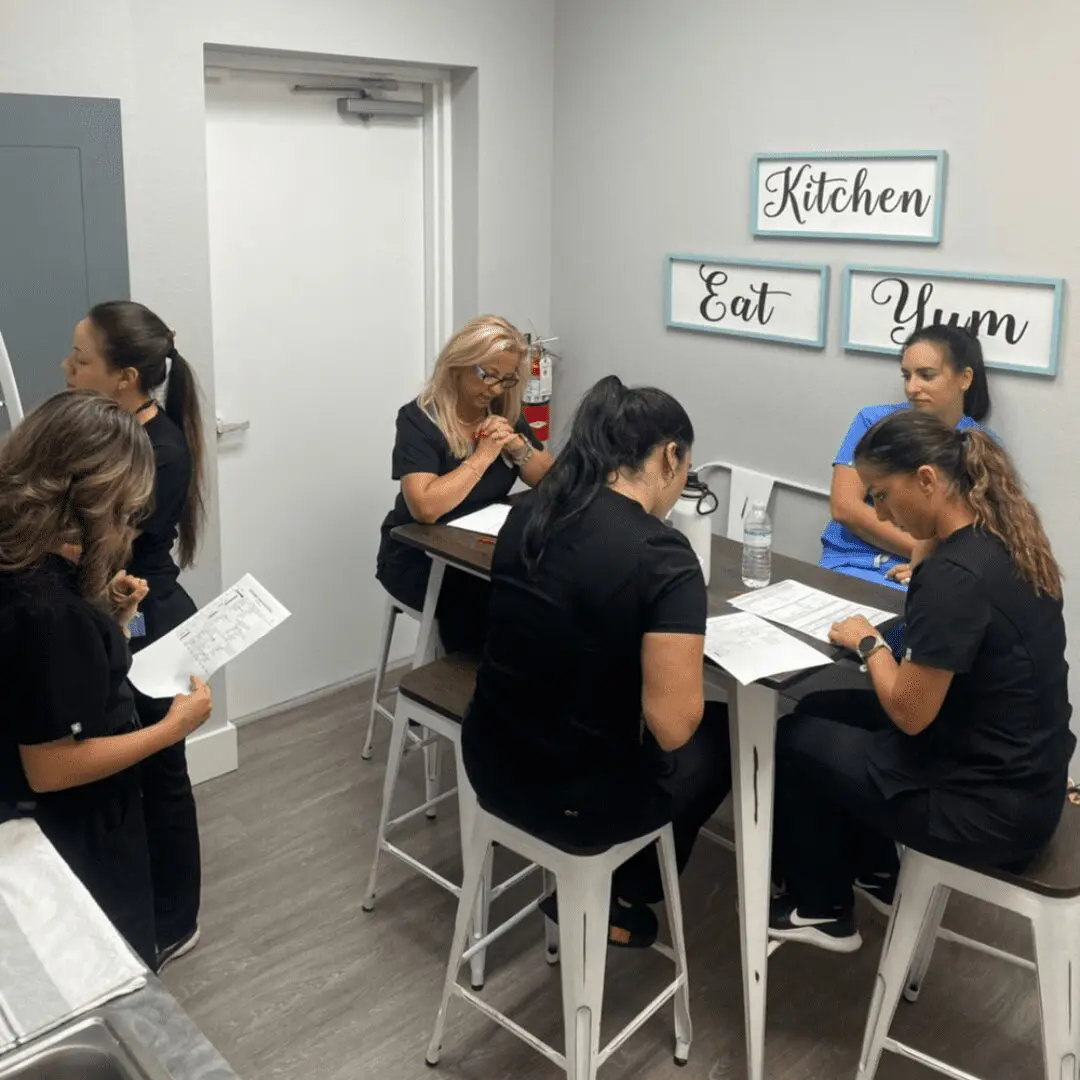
{"points": [[757, 547]]}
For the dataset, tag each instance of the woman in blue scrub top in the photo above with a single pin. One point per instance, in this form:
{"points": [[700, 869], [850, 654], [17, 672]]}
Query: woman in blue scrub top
{"points": [[944, 375]]}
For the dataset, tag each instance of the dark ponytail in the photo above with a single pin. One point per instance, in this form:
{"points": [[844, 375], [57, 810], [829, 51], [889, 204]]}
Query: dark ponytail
{"points": [[963, 352], [614, 428], [981, 474], [132, 336]]}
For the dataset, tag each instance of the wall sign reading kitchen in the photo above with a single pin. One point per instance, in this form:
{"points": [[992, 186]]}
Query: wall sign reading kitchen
{"points": [[774, 301], [1017, 319], [879, 195]]}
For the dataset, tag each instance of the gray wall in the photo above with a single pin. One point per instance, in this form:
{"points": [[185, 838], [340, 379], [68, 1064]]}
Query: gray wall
{"points": [[658, 108]]}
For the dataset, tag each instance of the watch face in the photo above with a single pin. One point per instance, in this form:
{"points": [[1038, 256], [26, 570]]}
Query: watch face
{"points": [[867, 644]]}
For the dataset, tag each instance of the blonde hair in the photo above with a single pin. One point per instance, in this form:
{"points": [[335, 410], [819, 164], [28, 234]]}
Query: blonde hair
{"points": [[477, 340], [77, 470]]}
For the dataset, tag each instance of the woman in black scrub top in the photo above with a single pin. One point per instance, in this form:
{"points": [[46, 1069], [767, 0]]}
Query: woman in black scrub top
{"points": [[460, 446], [589, 724], [74, 477], [961, 749], [125, 351]]}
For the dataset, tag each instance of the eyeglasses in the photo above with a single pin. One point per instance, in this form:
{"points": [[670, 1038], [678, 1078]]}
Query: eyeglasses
{"points": [[493, 379]]}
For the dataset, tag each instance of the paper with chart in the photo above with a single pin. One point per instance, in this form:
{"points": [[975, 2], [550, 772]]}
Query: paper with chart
{"points": [[488, 520], [810, 611], [212, 637], [749, 648]]}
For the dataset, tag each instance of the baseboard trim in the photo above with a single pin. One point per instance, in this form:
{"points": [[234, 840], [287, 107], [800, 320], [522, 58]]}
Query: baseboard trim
{"points": [[389, 682], [212, 753]]}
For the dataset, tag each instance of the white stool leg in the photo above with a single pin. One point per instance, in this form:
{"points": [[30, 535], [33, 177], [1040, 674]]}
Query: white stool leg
{"points": [[914, 894], [467, 816], [398, 732], [551, 929], [1056, 930], [476, 851], [389, 620], [432, 771], [669, 873], [584, 911], [925, 951]]}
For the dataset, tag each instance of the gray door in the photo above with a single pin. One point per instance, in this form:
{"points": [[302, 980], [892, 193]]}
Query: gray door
{"points": [[63, 230]]}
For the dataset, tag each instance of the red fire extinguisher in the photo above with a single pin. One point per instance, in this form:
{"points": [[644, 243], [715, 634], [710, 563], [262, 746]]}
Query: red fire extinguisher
{"points": [[537, 397]]}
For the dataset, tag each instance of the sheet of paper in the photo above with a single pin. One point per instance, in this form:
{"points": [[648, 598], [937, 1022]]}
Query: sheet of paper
{"points": [[223, 629], [489, 520], [810, 611], [750, 648]]}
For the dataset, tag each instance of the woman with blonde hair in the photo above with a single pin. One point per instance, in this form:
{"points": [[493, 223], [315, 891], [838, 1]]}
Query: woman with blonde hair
{"points": [[960, 750], [76, 479], [460, 445]]}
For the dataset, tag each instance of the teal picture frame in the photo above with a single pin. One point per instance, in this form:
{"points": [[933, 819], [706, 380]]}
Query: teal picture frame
{"points": [[940, 157]]}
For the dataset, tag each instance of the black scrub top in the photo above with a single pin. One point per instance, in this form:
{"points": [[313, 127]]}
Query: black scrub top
{"points": [[63, 666], [996, 757], [420, 447], [151, 553], [556, 721]]}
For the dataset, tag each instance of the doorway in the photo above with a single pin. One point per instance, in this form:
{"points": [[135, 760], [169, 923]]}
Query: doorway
{"points": [[323, 314]]}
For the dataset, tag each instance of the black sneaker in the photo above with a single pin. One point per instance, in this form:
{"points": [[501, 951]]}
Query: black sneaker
{"points": [[177, 949], [879, 890], [835, 932]]}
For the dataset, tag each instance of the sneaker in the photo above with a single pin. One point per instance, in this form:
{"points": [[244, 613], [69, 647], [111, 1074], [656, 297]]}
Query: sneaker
{"points": [[835, 932], [879, 890], [177, 949]]}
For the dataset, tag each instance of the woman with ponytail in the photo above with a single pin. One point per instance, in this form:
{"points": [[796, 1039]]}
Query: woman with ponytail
{"points": [[961, 749], [125, 351], [589, 724], [944, 375]]}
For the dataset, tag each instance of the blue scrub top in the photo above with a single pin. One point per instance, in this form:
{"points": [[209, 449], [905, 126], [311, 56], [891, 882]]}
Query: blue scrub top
{"points": [[841, 549]]}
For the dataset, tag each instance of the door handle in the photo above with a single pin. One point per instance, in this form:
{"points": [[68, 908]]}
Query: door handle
{"points": [[227, 427]]}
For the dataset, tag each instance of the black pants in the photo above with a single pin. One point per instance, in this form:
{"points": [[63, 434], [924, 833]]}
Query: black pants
{"points": [[100, 833], [688, 786], [462, 611], [172, 827], [832, 822]]}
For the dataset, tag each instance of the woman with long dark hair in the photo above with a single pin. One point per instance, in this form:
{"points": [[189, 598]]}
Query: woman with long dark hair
{"points": [[945, 376], [589, 724], [125, 351], [961, 748], [76, 477]]}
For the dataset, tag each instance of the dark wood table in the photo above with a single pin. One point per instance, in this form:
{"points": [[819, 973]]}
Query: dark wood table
{"points": [[753, 713]]}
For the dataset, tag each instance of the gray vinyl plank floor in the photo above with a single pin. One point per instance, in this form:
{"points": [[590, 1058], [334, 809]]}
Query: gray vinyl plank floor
{"points": [[293, 981]]}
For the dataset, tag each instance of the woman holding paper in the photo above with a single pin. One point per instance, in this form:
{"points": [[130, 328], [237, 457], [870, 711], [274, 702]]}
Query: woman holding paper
{"points": [[961, 749], [125, 351], [460, 446], [944, 375], [75, 478], [589, 724]]}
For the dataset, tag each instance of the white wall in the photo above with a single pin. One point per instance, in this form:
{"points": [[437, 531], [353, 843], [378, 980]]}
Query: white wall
{"points": [[658, 108], [149, 53]]}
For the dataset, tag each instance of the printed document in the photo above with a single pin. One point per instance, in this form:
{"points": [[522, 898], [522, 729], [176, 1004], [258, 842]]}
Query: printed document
{"points": [[223, 629], [749, 648], [810, 611], [489, 520]]}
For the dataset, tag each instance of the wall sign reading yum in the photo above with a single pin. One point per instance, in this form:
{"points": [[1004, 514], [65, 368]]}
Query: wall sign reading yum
{"points": [[773, 301], [869, 196], [1017, 319]]}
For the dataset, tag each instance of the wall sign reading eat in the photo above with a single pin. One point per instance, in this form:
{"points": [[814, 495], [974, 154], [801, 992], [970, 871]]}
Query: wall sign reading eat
{"points": [[882, 195], [1017, 319], [774, 301]]}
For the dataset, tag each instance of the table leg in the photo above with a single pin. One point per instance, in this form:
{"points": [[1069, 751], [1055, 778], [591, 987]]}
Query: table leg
{"points": [[753, 739], [426, 641]]}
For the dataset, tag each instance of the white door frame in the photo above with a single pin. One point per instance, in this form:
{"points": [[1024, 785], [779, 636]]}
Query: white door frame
{"points": [[214, 753], [438, 186]]}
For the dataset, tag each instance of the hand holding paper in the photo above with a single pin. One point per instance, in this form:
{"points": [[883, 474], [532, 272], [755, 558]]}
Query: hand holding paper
{"points": [[223, 629]]}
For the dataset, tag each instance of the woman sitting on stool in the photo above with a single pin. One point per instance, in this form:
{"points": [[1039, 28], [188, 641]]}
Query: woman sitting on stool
{"points": [[460, 446], [589, 725], [961, 749]]}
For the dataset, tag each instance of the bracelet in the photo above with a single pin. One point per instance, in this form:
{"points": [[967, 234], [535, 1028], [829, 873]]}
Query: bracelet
{"points": [[521, 459]]}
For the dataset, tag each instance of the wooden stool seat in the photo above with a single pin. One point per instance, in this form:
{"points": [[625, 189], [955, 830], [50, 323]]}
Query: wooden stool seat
{"points": [[1055, 871], [445, 686]]}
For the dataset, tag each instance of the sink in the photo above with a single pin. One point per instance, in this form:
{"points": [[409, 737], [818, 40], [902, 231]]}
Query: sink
{"points": [[87, 1050]]}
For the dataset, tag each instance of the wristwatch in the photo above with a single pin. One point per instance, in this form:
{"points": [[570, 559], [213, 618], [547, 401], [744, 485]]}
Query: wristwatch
{"points": [[869, 645]]}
